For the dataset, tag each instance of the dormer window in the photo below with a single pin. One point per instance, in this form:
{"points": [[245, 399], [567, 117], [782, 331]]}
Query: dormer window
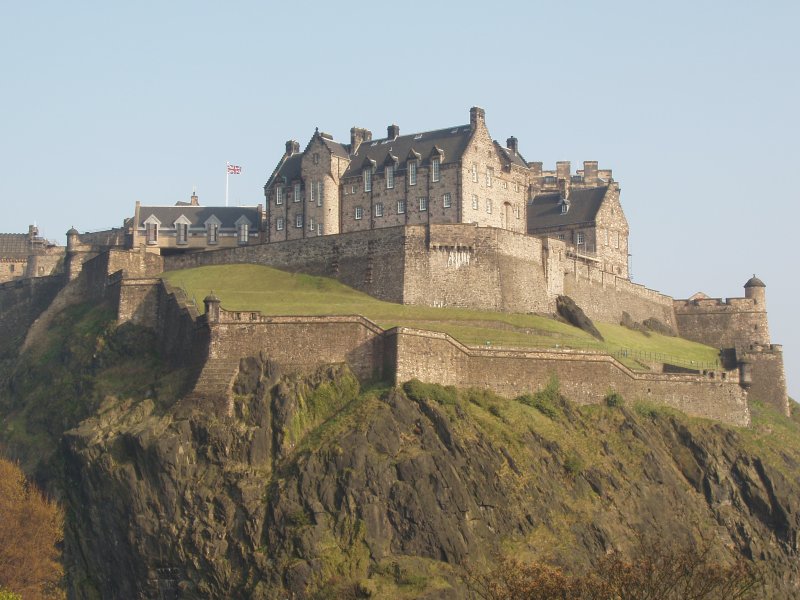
{"points": [[151, 233], [564, 208], [212, 229], [435, 164], [242, 229], [182, 230], [412, 172], [389, 170], [368, 179]]}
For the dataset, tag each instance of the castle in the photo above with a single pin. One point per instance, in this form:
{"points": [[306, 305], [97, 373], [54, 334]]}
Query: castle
{"points": [[440, 218]]}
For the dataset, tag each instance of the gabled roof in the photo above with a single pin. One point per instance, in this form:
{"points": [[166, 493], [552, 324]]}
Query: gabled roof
{"points": [[513, 157], [288, 169], [451, 141], [198, 215], [336, 148], [14, 245], [544, 210]]}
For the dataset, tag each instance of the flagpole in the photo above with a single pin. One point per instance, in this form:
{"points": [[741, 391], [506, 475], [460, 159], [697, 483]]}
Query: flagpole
{"points": [[227, 174]]}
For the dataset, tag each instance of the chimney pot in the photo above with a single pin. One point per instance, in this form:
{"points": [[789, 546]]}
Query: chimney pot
{"points": [[392, 131], [477, 116], [512, 144]]}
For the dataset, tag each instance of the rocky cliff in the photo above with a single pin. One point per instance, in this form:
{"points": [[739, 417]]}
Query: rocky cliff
{"points": [[317, 487]]}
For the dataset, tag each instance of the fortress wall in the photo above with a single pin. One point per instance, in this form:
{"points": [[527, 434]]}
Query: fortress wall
{"points": [[135, 263], [722, 324], [301, 342], [183, 336], [768, 377], [371, 261], [604, 296], [584, 377], [475, 267], [139, 301], [21, 303]]}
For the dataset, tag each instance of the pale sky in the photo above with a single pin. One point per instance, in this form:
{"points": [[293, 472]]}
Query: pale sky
{"points": [[694, 105]]}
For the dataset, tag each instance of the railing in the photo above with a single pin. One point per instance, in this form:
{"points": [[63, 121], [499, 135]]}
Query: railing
{"points": [[658, 357]]}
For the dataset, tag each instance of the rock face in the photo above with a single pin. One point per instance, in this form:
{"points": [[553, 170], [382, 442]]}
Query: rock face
{"points": [[313, 483], [574, 315]]}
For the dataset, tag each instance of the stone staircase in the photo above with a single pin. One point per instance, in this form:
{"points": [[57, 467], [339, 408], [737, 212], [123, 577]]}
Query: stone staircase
{"points": [[213, 388]]}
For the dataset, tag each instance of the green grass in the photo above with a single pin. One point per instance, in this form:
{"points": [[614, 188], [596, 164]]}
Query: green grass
{"points": [[274, 292]]}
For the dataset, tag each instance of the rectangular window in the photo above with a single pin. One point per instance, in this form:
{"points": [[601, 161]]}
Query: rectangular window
{"points": [[279, 195], [353, 188], [489, 205], [297, 197], [311, 225], [367, 180], [298, 221], [616, 239], [516, 186], [320, 189], [423, 204], [446, 200], [183, 233], [280, 223], [151, 230], [389, 177], [475, 172], [606, 236], [244, 233], [435, 169], [312, 191], [412, 172], [359, 213], [489, 175], [579, 238], [213, 233], [379, 209], [319, 228], [474, 202], [401, 207], [560, 236]]}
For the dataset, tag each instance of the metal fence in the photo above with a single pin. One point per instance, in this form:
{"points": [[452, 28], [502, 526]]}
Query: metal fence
{"points": [[668, 359]]}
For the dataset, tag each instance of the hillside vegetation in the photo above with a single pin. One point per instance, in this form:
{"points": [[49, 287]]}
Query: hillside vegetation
{"points": [[275, 292]]}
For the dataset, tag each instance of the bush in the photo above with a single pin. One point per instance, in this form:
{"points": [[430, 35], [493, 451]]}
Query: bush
{"points": [[574, 465], [547, 400], [31, 527], [613, 399]]}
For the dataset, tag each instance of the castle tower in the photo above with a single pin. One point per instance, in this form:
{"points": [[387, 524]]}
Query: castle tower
{"points": [[755, 290]]}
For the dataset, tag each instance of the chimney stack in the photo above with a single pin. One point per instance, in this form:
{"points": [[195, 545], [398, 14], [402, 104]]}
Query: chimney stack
{"points": [[194, 201], [590, 171], [562, 169], [292, 147], [477, 116], [358, 135], [392, 131], [513, 145]]}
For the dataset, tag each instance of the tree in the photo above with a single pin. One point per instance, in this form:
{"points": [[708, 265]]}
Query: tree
{"points": [[31, 531]]}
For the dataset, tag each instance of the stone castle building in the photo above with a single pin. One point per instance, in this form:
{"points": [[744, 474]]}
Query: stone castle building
{"points": [[25, 255]]}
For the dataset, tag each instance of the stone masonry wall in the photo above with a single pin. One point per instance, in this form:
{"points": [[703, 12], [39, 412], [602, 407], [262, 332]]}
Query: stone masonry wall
{"points": [[584, 377], [21, 303], [722, 324], [768, 377], [604, 296]]}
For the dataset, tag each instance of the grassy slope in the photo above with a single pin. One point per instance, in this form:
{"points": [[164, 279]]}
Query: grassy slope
{"points": [[274, 292]]}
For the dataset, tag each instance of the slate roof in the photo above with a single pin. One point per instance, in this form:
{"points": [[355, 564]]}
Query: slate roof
{"points": [[14, 245], [513, 157], [452, 141], [545, 209], [336, 148], [288, 168], [754, 282], [198, 215]]}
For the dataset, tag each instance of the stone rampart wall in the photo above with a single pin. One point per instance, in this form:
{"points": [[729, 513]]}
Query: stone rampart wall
{"points": [[722, 324], [584, 377], [21, 303], [604, 296], [768, 377]]}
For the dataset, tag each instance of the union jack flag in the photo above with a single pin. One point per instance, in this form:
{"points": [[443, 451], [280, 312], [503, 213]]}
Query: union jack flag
{"points": [[234, 169]]}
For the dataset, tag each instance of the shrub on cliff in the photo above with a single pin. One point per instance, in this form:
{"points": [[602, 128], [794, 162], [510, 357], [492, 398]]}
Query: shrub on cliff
{"points": [[31, 528]]}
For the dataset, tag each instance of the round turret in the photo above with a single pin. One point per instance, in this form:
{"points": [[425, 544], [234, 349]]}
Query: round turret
{"points": [[72, 238], [212, 307], [756, 290]]}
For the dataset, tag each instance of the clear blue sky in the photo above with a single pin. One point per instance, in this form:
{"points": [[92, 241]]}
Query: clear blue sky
{"points": [[694, 105]]}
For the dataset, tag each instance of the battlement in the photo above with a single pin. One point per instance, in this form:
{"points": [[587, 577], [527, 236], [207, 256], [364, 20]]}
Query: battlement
{"points": [[709, 305], [548, 180]]}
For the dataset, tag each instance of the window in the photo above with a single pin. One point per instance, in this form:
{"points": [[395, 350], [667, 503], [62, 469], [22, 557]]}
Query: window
{"points": [[616, 239], [516, 186], [280, 223], [353, 188], [212, 231], [401, 207], [435, 169], [446, 200], [316, 158], [474, 202], [504, 185], [579, 238], [389, 170], [319, 228], [412, 172], [151, 230], [244, 233], [379, 209], [279, 195], [11, 268], [489, 205], [320, 189], [564, 208], [297, 197], [359, 213], [606, 236], [475, 172], [423, 204], [489, 175], [298, 220], [182, 231], [367, 180], [312, 195], [311, 225], [560, 236]]}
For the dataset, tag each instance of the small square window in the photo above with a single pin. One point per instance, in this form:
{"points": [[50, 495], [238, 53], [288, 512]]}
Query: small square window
{"points": [[423, 204], [446, 200], [359, 213]]}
